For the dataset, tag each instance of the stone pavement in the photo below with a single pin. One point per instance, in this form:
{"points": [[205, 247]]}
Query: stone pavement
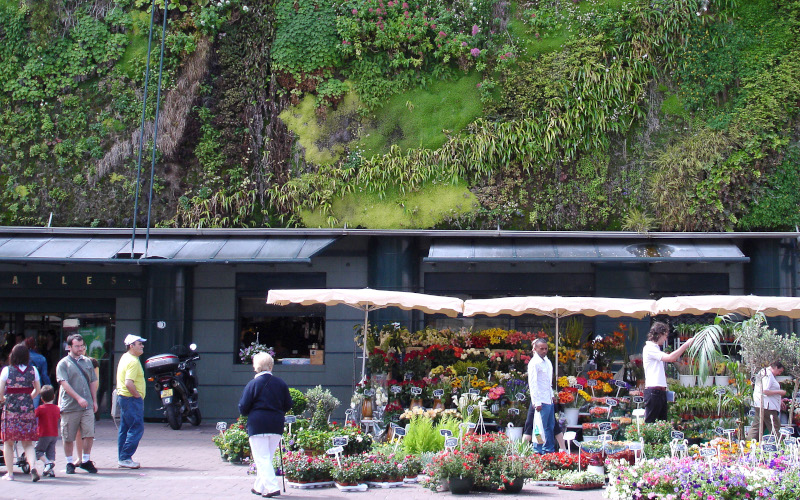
{"points": [[185, 464]]}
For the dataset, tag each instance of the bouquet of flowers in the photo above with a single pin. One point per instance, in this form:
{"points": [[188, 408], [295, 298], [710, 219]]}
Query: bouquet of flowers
{"points": [[246, 354]]}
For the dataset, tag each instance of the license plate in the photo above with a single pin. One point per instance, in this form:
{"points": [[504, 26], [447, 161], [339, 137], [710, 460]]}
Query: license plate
{"points": [[166, 393]]}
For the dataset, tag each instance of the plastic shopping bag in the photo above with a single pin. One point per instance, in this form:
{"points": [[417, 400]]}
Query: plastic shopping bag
{"points": [[538, 428]]}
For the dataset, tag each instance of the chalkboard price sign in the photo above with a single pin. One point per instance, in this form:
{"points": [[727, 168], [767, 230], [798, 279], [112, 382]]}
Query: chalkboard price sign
{"points": [[340, 441], [472, 370], [438, 393], [520, 396], [221, 426], [475, 391], [604, 437], [621, 384], [604, 426], [416, 391], [676, 435], [335, 450], [708, 452], [470, 409], [396, 389], [770, 438], [369, 393], [578, 386], [719, 431], [769, 447], [787, 431], [445, 432], [409, 375], [720, 391], [591, 383], [290, 419], [638, 399], [399, 431], [513, 411], [680, 447], [611, 402], [451, 442]]}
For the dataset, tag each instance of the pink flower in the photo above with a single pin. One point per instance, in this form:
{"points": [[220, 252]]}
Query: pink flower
{"points": [[370, 10], [406, 14], [405, 5], [475, 29], [354, 11], [475, 52], [345, 42], [442, 34], [433, 26], [463, 44]]}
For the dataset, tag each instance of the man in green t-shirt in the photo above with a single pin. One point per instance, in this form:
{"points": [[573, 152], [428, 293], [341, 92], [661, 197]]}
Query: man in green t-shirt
{"points": [[130, 392]]}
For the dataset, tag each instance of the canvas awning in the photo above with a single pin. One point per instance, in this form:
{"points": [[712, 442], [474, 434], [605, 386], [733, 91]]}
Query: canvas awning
{"points": [[174, 249], [596, 251]]}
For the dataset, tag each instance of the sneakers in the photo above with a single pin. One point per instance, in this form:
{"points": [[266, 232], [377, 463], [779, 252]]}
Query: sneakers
{"points": [[128, 464], [89, 467], [34, 475], [70, 468], [49, 471]]}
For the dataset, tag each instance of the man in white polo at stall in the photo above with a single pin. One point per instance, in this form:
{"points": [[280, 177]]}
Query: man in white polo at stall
{"points": [[655, 377]]}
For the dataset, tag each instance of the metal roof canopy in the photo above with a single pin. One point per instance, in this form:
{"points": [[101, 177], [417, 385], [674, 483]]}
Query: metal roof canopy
{"points": [[162, 249], [597, 251]]}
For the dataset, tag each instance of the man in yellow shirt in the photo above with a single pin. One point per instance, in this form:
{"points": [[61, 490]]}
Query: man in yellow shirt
{"points": [[130, 392]]}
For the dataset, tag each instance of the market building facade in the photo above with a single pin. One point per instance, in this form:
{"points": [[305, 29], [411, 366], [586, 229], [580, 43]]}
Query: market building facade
{"points": [[210, 286]]}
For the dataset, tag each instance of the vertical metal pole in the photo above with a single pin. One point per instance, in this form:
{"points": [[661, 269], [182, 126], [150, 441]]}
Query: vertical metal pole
{"points": [[155, 126], [141, 132]]}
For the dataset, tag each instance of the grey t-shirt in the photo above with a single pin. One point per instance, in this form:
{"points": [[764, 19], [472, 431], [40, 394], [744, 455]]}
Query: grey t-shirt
{"points": [[66, 370]]}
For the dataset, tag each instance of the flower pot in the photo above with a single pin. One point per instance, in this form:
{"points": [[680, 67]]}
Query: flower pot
{"points": [[572, 415], [460, 486], [688, 380], [721, 380], [437, 404], [708, 382], [597, 469], [514, 486], [416, 402], [514, 433]]}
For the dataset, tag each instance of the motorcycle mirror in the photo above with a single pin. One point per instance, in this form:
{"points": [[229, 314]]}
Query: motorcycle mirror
{"points": [[193, 346]]}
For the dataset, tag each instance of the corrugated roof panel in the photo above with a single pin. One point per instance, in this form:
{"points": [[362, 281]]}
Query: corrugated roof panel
{"points": [[21, 247], [200, 249], [59, 248], [102, 248]]}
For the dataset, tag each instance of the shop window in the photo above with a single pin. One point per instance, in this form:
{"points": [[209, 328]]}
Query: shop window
{"points": [[295, 333]]}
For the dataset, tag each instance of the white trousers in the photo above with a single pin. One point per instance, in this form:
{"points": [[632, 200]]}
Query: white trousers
{"points": [[263, 447]]}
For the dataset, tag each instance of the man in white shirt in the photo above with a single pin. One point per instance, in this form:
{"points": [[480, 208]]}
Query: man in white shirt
{"points": [[655, 377], [540, 382], [770, 401]]}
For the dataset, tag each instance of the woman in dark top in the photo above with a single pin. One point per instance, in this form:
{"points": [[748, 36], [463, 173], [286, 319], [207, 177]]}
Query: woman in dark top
{"points": [[265, 401]]}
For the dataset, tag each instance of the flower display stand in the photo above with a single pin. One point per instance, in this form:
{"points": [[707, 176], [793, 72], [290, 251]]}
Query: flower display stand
{"points": [[594, 486], [356, 487], [308, 486], [411, 480]]}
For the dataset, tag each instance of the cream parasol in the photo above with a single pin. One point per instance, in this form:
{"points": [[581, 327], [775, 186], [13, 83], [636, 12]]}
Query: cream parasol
{"points": [[559, 307], [745, 305], [368, 299]]}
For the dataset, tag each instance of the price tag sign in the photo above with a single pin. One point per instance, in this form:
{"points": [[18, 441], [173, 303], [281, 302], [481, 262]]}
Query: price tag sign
{"points": [[521, 396], [438, 393], [470, 409], [638, 400], [340, 441], [720, 391], [451, 442], [719, 431], [409, 375], [472, 370], [416, 391], [290, 419], [335, 450], [621, 384], [769, 438], [221, 426], [513, 411], [604, 426], [476, 392], [769, 447], [579, 386], [604, 437], [396, 389], [635, 446], [751, 413], [790, 441], [591, 383], [708, 452], [731, 431], [787, 431], [611, 402], [369, 392], [399, 431], [676, 435], [680, 447], [445, 432], [495, 408]]}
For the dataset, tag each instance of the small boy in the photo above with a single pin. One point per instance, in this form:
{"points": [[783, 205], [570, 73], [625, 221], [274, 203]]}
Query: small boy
{"points": [[49, 416]]}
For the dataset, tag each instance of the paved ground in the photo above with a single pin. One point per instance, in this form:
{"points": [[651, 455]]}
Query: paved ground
{"points": [[185, 465]]}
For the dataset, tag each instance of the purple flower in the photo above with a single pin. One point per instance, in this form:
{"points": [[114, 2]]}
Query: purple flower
{"points": [[475, 29], [475, 52]]}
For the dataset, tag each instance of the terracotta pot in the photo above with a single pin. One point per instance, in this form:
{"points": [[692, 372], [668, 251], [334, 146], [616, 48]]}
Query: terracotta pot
{"points": [[366, 408]]}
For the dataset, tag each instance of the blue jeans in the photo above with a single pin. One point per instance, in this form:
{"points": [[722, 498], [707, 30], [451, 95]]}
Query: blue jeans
{"points": [[131, 426], [548, 421]]}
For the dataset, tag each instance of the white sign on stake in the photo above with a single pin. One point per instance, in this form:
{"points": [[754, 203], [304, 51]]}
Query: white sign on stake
{"points": [[521, 396], [221, 426], [450, 442], [445, 432]]}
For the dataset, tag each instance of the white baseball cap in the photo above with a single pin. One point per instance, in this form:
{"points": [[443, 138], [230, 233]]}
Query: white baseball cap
{"points": [[131, 338]]}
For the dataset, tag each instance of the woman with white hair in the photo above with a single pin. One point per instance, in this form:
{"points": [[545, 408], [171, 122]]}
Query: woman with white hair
{"points": [[265, 401]]}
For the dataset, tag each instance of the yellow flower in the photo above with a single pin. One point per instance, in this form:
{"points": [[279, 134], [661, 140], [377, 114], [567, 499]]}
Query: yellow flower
{"points": [[562, 382], [456, 384]]}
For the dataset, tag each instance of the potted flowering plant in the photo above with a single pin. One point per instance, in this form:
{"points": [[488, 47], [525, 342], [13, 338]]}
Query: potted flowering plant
{"points": [[509, 472], [458, 468], [581, 481], [299, 468], [351, 473], [411, 466], [246, 354]]}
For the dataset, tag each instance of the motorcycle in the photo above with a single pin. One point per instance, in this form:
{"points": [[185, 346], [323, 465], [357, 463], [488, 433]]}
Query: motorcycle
{"points": [[175, 378]]}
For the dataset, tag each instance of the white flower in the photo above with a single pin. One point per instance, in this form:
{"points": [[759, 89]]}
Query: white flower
{"points": [[246, 8]]}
